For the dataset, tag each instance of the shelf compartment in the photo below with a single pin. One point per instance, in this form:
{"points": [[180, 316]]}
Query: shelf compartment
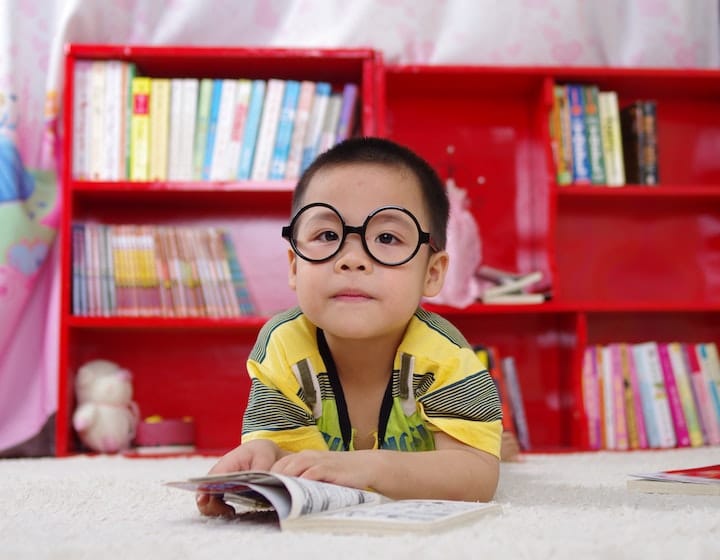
{"points": [[638, 251], [662, 326], [543, 346], [493, 121], [194, 372]]}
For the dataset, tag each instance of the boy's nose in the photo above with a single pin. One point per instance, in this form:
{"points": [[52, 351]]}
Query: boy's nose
{"points": [[352, 254]]}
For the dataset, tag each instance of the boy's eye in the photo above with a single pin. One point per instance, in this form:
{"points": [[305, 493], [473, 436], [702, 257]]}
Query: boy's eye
{"points": [[387, 238], [328, 236]]}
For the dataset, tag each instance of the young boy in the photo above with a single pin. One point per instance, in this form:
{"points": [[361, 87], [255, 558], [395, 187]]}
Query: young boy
{"points": [[358, 385]]}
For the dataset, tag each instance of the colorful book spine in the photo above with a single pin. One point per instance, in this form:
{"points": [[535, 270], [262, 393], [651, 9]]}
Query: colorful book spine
{"points": [[205, 93], [159, 128], [578, 137], [593, 133], [608, 393], [611, 138], [302, 117], [220, 158], [560, 136], [650, 170], [629, 359], [332, 117], [281, 150], [620, 410], [710, 362], [512, 382], [213, 118], [709, 422], [81, 117], [268, 129], [591, 397], [128, 103], [175, 131], [239, 118], [315, 124], [252, 127], [650, 358], [647, 392], [188, 121], [676, 408], [114, 112], [97, 139], [348, 112], [140, 129], [684, 386], [631, 124]]}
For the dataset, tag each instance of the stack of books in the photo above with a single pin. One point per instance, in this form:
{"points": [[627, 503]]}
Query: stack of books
{"points": [[512, 287]]}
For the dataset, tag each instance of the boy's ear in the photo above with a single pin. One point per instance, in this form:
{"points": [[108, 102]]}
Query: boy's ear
{"points": [[435, 275], [292, 269]]}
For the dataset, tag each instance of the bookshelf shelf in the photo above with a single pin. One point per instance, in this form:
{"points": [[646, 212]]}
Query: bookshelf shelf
{"points": [[692, 191]]}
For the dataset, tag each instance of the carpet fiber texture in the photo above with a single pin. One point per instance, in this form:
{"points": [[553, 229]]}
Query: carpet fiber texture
{"points": [[558, 506]]}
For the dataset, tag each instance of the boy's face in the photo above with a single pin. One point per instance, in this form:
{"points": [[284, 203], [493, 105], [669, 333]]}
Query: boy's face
{"points": [[351, 295]]}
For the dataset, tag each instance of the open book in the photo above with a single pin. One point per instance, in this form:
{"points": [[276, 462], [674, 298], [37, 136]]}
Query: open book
{"points": [[310, 505], [700, 480]]}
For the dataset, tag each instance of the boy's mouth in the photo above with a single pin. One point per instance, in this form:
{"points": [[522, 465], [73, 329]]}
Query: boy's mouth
{"points": [[352, 295]]}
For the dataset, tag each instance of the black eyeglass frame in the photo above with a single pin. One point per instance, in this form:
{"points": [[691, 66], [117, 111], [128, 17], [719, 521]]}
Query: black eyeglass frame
{"points": [[423, 236]]}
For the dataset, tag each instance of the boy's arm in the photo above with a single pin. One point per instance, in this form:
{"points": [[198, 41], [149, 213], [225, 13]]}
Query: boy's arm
{"points": [[454, 471]]}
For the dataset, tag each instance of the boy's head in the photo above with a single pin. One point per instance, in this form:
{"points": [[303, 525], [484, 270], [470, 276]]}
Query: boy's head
{"points": [[386, 152], [367, 238]]}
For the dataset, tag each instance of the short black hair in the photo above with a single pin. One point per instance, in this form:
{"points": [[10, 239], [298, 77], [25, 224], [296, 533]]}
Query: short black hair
{"points": [[370, 149]]}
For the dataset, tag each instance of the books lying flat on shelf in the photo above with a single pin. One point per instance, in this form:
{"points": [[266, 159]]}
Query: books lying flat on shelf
{"points": [[511, 287], [302, 504], [700, 480]]}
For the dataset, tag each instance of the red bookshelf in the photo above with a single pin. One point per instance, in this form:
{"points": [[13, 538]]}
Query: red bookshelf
{"points": [[190, 366], [627, 264]]}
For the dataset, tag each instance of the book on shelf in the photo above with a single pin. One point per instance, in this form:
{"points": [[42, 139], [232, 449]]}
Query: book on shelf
{"points": [[159, 128], [578, 135], [560, 136], [639, 136], [269, 120], [517, 404], [302, 118], [237, 130], [706, 383], [703, 480], [511, 287], [212, 125], [491, 359], [315, 123], [219, 163], [286, 122], [593, 133], [611, 138], [328, 132], [348, 110], [681, 374], [140, 129], [202, 120], [591, 397], [309, 505], [676, 409], [148, 270], [252, 125]]}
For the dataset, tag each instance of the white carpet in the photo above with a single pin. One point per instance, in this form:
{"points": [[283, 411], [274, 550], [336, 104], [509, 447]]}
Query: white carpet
{"points": [[572, 506]]}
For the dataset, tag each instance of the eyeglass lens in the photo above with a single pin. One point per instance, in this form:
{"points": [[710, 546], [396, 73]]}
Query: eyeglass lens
{"points": [[391, 235]]}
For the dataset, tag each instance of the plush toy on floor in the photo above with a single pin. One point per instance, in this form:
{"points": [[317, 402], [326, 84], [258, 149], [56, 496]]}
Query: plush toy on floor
{"points": [[106, 416]]}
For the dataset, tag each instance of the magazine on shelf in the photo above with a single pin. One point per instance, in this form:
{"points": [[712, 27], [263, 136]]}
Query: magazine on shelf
{"points": [[309, 505]]}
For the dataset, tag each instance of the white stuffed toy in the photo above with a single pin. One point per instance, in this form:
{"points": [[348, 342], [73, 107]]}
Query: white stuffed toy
{"points": [[106, 416]]}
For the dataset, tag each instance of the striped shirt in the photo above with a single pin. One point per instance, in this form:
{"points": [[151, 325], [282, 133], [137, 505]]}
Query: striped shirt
{"points": [[437, 384]]}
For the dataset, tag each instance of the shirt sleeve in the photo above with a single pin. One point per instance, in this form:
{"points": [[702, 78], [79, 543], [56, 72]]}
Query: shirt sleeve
{"points": [[463, 402]]}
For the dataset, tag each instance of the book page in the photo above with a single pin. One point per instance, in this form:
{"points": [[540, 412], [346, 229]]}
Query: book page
{"points": [[394, 516], [311, 496]]}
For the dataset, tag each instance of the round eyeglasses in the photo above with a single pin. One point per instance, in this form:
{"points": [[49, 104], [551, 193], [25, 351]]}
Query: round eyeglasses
{"points": [[391, 235]]}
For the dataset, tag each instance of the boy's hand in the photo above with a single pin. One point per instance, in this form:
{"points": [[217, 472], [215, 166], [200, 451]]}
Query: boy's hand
{"points": [[355, 469], [254, 455]]}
